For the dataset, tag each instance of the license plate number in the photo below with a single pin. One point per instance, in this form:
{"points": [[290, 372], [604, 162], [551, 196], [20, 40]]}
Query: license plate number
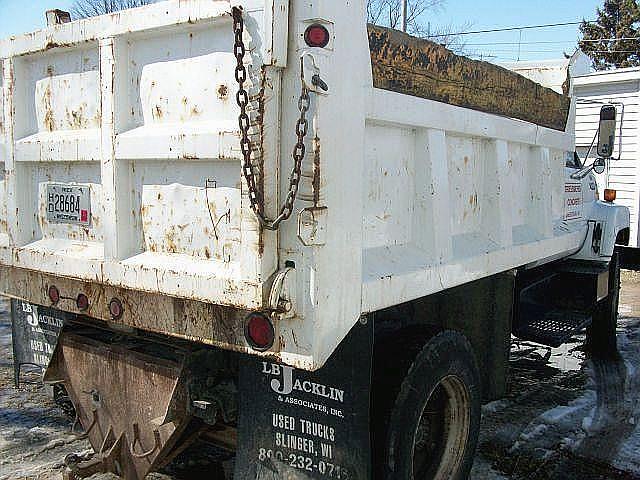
{"points": [[68, 204]]}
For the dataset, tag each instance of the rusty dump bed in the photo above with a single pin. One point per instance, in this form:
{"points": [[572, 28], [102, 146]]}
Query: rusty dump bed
{"points": [[415, 66]]}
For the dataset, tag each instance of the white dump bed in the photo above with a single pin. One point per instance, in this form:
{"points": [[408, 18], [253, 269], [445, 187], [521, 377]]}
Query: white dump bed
{"points": [[130, 119]]}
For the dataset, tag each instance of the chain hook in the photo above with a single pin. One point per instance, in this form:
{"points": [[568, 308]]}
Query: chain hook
{"points": [[302, 128]]}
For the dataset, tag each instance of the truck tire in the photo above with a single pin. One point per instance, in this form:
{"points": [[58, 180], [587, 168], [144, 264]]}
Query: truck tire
{"points": [[601, 335], [433, 427]]}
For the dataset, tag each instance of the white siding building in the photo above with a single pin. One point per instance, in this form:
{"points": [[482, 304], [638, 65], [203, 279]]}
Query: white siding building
{"points": [[620, 87]]}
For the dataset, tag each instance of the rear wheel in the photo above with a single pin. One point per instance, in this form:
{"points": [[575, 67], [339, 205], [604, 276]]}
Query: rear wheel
{"points": [[433, 424]]}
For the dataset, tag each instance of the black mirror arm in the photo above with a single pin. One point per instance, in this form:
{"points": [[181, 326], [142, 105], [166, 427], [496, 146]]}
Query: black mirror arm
{"points": [[580, 174]]}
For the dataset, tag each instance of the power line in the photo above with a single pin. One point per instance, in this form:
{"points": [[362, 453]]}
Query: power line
{"points": [[549, 42], [510, 29], [529, 52]]}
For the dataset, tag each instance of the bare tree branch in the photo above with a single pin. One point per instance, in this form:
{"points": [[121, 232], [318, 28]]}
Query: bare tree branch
{"points": [[375, 10], [388, 12], [91, 8], [442, 35]]}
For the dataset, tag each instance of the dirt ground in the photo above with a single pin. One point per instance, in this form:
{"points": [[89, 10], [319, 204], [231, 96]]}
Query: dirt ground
{"points": [[565, 417]]}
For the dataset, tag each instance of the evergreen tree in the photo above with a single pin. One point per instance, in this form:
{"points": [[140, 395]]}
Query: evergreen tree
{"points": [[613, 40]]}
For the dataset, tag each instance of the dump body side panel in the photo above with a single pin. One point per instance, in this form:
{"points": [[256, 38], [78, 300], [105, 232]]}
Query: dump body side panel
{"points": [[453, 195]]}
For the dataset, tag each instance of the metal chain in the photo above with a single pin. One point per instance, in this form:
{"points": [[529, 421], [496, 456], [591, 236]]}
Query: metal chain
{"points": [[299, 150]]}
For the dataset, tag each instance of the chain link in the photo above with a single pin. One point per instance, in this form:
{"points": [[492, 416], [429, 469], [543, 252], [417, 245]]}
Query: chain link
{"points": [[302, 128]]}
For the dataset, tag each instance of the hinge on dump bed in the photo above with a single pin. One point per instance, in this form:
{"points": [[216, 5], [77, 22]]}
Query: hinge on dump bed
{"points": [[280, 297]]}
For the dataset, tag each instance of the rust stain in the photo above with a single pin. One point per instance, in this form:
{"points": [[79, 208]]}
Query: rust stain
{"points": [[170, 237], [157, 112], [76, 118], [260, 120], [49, 123], [316, 171], [473, 201], [223, 92]]}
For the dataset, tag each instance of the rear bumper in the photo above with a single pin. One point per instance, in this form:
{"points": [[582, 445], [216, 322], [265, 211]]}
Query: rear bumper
{"points": [[191, 320]]}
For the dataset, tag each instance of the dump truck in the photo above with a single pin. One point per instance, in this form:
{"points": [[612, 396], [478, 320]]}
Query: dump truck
{"points": [[302, 239]]}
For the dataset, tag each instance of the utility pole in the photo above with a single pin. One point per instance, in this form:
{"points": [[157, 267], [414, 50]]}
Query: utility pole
{"points": [[403, 18], [519, 44]]}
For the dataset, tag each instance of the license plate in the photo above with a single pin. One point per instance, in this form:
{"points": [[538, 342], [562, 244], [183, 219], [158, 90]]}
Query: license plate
{"points": [[68, 204]]}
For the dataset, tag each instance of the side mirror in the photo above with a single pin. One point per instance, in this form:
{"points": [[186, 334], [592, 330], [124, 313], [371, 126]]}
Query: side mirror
{"points": [[607, 131], [599, 165]]}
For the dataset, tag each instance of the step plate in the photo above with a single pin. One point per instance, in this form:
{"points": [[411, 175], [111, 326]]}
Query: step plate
{"points": [[554, 328]]}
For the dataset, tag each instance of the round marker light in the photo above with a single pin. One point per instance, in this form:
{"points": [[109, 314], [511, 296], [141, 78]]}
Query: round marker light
{"points": [[54, 294], [82, 302], [260, 332], [115, 309], [317, 35]]}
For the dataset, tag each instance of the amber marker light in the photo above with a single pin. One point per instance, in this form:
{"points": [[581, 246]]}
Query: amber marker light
{"points": [[610, 195]]}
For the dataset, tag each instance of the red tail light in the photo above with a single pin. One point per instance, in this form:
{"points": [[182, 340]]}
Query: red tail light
{"points": [[317, 35], [54, 294], [260, 332], [115, 309], [82, 302]]}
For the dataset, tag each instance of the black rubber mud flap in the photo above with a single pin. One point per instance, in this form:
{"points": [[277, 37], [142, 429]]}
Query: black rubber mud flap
{"points": [[298, 425], [35, 331]]}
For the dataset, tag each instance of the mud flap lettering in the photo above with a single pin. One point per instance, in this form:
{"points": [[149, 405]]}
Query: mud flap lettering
{"points": [[35, 331], [298, 425]]}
